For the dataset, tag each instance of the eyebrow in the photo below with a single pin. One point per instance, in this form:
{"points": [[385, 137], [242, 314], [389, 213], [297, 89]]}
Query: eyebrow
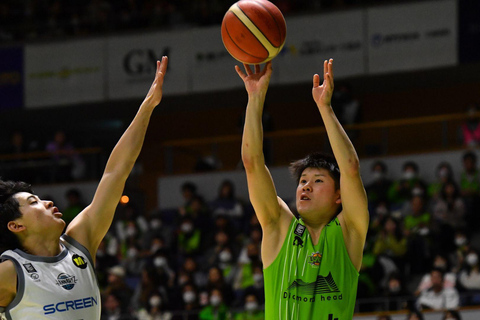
{"points": [[316, 175]]}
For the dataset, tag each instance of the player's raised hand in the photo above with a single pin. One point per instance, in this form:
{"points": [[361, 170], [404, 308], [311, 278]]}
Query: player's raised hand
{"points": [[257, 80], [322, 94], [154, 95]]}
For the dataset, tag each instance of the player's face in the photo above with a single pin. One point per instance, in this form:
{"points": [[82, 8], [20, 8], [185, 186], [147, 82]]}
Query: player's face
{"points": [[316, 192], [38, 215]]}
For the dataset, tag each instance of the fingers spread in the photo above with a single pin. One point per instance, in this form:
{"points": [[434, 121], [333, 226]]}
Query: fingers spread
{"points": [[240, 72], [247, 69], [257, 68]]}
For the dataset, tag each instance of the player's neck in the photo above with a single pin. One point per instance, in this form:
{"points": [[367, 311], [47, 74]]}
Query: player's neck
{"points": [[315, 226], [42, 247]]}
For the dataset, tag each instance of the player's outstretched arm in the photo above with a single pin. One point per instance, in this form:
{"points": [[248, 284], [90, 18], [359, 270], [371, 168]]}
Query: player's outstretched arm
{"points": [[354, 216], [263, 196], [91, 225]]}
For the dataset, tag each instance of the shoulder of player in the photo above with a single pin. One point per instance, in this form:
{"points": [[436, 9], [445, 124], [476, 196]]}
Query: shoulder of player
{"points": [[8, 282]]}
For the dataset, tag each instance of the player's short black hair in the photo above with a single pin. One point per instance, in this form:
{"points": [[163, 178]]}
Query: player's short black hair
{"points": [[9, 211], [317, 160]]}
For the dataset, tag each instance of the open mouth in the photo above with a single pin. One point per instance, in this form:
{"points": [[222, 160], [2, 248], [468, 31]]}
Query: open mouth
{"points": [[303, 197]]}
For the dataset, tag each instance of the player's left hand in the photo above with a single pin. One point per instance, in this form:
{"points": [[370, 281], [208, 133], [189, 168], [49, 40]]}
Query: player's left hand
{"points": [[322, 94], [154, 95]]}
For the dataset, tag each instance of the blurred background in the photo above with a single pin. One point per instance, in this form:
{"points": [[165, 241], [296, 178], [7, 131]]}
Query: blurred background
{"points": [[185, 240]]}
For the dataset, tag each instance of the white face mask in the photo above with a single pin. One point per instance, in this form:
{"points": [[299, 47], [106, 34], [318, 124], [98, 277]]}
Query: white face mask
{"points": [[257, 277], [131, 253], [155, 301], [131, 231], [472, 259], [186, 227], [443, 173], [407, 175], [251, 305], [189, 296], [225, 256], [159, 262], [460, 241], [377, 175], [215, 301], [417, 191], [156, 224]]}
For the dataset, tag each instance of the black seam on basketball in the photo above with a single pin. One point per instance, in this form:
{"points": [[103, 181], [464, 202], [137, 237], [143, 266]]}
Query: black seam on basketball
{"points": [[256, 26], [226, 28], [273, 17]]}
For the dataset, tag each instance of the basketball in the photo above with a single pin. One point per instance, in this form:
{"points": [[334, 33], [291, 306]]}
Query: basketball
{"points": [[254, 31]]}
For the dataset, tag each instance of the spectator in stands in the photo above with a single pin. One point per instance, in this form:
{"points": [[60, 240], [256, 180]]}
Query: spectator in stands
{"points": [[226, 202], [150, 285], [410, 184], [437, 297], [415, 315], [452, 315], [189, 303], [252, 308], [221, 251], [64, 156], [470, 129], [117, 286], [469, 277], [395, 289], [449, 207], [470, 188], [417, 228], [440, 262], [377, 189], [384, 317], [443, 173], [189, 191], [104, 261], [112, 308], [216, 308], [74, 204], [188, 238], [392, 242], [244, 277], [217, 281], [17, 147]]}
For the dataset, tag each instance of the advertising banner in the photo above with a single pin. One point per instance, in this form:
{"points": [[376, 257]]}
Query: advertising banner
{"points": [[64, 73], [412, 37], [313, 39], [11, 78], [132, 63]]}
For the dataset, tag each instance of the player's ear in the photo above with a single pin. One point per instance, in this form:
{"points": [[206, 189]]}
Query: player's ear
{"points": [[15, 226], [338, 200]]}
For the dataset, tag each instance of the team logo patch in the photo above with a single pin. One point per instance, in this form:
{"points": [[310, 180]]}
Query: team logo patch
{"points": [[79, 261], [66, 281], [314, 259], [35, 277], [298, 242], [29, 267], [299, 230]]}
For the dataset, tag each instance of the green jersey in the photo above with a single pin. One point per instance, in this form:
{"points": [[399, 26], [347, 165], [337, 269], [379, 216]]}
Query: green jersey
{"points": [[308, 282]]}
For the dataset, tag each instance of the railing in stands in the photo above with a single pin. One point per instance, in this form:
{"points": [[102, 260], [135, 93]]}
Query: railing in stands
{"points": [[371, 139]]}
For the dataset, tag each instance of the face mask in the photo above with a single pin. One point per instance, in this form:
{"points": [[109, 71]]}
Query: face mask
{"points": [[460, 241], [155, 301], [440, 265], [131, 231], [159, 262], [443, 173], [407, 175], [155, 247], [377, 175], [472, 259], [189, 296], [417, 191], [186, 227], [215, 301], [250, 306], [257, 277], [156, 224], [225, 256], [381, 210], [395, 289], [132, 253]]}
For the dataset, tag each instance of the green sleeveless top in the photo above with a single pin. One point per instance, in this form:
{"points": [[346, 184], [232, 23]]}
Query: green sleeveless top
{"points": [[308, 282]]}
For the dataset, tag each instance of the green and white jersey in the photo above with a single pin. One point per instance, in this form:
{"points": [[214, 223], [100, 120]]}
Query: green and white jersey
{"points": [[311, 282]]}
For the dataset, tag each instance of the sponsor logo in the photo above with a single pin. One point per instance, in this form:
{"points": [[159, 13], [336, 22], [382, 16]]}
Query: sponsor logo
{"points": [[142, 62], [315, 259], [35, 277], [302, 291], [29, 267], [298, 242], [66, 281], [299, 230], [68, 305], [79, 261]]}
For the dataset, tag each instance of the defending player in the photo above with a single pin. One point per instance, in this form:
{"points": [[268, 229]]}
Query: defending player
{"points": [[310, 264], [47, 275]]}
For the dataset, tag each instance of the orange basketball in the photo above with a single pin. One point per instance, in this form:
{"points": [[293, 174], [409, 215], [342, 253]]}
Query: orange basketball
{"points": [[254, 31]]}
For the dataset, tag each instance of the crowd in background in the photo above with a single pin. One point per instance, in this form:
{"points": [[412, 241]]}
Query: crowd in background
{"points": [[29, 20], [204, 256]]}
